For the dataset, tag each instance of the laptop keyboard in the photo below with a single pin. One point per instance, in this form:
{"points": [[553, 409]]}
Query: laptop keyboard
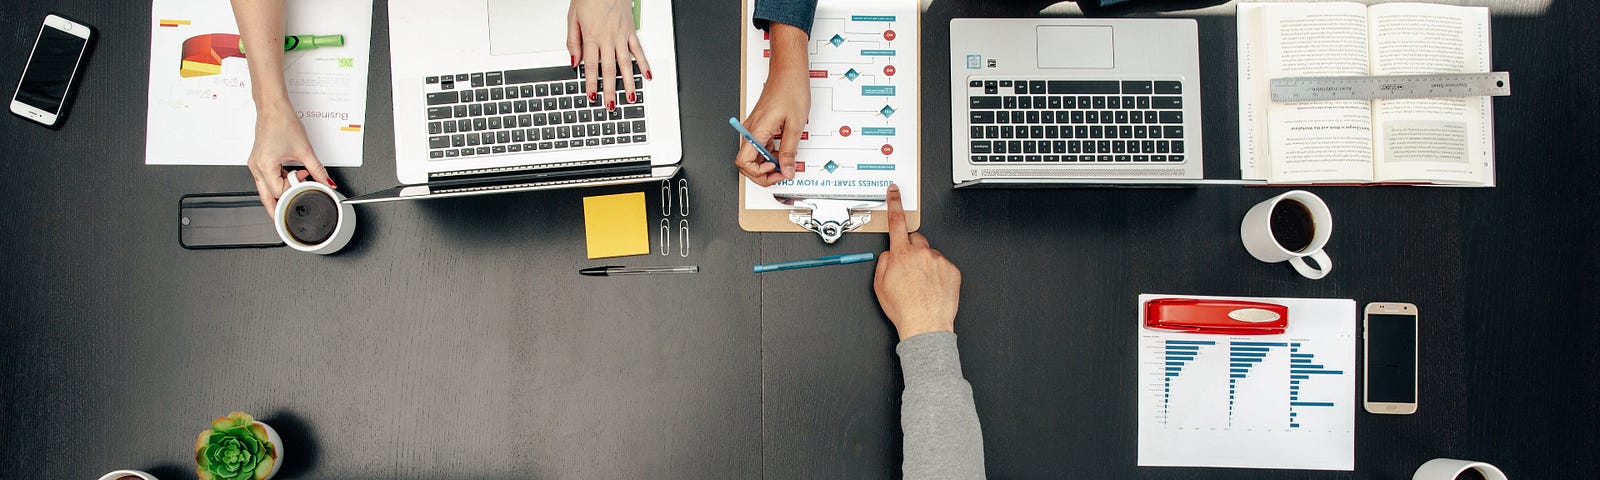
{"points": [[529, 110], [1075, 121]]}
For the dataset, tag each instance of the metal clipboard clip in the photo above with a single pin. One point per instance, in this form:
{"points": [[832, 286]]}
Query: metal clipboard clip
{"points": [[830, 216]]}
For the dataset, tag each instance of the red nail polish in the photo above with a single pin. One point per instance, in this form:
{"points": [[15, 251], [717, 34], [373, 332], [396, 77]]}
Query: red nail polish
{"points": [[574, 60], [632, 97], [593, 96], [610, 105], [647, 75]]}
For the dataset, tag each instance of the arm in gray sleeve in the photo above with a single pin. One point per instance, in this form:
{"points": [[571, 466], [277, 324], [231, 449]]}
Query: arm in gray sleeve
{"points": [[796, 13], [942, 437]]}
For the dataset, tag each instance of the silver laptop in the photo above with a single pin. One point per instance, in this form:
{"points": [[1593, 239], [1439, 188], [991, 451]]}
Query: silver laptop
{"points": [[486, 101], [1075, 101]]}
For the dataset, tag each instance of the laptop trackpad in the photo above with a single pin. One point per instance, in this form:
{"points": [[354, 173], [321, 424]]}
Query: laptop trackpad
{"points": [[1086, 46], [526, 26]]}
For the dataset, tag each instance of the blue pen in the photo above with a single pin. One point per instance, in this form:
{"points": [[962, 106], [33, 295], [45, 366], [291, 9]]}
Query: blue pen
{"points": [[752, 138], [816, 262]]}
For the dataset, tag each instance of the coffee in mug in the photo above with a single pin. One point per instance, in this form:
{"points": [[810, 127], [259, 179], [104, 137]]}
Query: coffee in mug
{"points": [[1291, 227], [312, 217]]}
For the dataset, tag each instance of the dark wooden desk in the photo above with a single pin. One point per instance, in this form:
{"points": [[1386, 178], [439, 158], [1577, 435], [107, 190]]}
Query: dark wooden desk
{"points": [[454, 339]]}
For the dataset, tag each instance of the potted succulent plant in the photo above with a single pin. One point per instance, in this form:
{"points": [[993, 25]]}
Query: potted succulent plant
{"points": [[237, 447]]}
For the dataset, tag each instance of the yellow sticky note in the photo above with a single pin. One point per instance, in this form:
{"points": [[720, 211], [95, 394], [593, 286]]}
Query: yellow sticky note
{"points": [[616, 225]]}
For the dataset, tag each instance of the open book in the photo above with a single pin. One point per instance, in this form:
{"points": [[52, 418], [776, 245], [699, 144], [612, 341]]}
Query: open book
{"points": [[1445, 141]]}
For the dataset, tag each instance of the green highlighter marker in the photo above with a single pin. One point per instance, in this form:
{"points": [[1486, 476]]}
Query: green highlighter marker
{"points": [[306, 42]]}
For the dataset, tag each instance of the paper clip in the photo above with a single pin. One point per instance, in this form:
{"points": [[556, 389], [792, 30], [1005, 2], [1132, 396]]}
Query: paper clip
{"points": [[666, 197], [683, 238], [683, 196], [666, 236]]}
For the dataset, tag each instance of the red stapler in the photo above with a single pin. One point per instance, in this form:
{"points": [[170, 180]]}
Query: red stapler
{"points": [[1222, 317]]}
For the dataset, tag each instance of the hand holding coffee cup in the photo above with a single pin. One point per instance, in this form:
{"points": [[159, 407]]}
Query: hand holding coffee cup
{"points": [[312, 217], [1293, 226]]}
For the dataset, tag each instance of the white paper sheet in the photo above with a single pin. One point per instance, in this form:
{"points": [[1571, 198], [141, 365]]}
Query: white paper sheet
{"points": [[1251, 401], [863, 130], [209, 118]]}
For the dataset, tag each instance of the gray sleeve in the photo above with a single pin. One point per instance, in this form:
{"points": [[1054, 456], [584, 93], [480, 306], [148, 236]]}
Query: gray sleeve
{"points": [[796, 13], [942, 437]]}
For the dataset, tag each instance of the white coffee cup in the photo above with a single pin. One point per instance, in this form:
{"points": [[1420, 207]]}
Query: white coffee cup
{"points": [[342, 231], [1450, 468], [123, 473], [1256, 232]]}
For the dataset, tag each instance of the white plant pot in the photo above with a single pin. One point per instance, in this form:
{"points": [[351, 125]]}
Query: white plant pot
{"points": [[277, 445], [123, 473]]}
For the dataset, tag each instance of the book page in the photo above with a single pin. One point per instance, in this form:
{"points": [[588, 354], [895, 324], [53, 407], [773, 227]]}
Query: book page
{"points": [[1444, 140], [1315, 141], [863, 132]]}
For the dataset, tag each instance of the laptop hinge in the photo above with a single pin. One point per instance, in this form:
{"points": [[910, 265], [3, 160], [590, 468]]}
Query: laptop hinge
{"points": [[552, 172]]}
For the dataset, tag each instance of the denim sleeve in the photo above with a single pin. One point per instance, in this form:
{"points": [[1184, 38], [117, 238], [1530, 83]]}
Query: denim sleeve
{"points": [[796, 13]]}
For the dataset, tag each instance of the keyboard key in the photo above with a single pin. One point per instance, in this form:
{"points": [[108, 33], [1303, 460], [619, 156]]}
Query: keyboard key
{"points": [[1172, 132], [1080, 131], [569, 116], [435, 128], [1127, 102], [481, 95], [1099, 102], [1147, 146], [1007, 132], [983, 103], [980, 158], [989, 88], [1005, 84], [492, 79], [541, 90], [1123, 158], [1136, 117], [520, 106], [1168, 87], [519, 135], [1036, 87], [1155, 132], [1114, 102], [1075, 146], [1122, 116], [526, 91], [1174, 158], [1052, 158], [432, 80], [1062, 87], [608, 140], [514, 148], [1053, 131], [991, 132], [638, 139], [440, 141], [1177, 146], [1024, 102], [449, 126], [494, 123], [1038, 101], [1102, 158], [499, 149], [439, 113], [975, 84], [1021, 88], [502, 137], [1158, 158], [483, 150], [638, 126], [1144, 103], [1171, 116], [1091, 117], [1033, 158], [491, 109], [594, 129], [442, 98], [981, 117], [1036, 131], [608, 129], [977, 132], [1047, 117], [1009, 102], [1033, 116], [447, 85], [1161, 147], [980, 147], [1141, 158], [1166, 102], [477, 80], [1136, 87], [580, 102], [633, 112], [1125, 131], [524, 121]]}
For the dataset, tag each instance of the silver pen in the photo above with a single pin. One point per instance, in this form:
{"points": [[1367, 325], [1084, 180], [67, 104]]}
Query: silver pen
{"points": [[610, 270]]}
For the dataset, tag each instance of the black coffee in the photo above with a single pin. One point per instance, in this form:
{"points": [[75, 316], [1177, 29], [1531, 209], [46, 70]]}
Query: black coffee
{"points": [[311, 217], [1471, 474], [1291, 225]]}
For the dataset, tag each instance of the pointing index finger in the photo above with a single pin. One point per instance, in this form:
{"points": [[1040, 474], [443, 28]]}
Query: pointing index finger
{"points": [[899, 240]]}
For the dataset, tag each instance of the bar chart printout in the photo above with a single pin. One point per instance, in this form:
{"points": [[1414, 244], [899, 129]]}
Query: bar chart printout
{"points": [[1256, 401]]}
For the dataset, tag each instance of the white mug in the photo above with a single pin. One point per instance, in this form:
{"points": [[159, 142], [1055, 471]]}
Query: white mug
{"points": [[342, 231], [123, 473], [1449, 468], [1256, 232]]}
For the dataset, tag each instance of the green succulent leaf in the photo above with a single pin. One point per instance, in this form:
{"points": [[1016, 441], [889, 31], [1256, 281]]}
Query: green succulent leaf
{"points": [[234, 449]]}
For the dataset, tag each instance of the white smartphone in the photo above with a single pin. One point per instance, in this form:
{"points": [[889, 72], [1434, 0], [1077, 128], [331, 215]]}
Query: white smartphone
{"points": [[52, 70], [1390, 334]]}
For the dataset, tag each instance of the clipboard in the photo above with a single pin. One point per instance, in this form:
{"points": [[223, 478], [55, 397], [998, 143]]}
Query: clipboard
{"points": [[837, 210]]}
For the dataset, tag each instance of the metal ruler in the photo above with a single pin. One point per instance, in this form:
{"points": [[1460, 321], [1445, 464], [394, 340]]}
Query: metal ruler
{"points": [[1310, 89]]}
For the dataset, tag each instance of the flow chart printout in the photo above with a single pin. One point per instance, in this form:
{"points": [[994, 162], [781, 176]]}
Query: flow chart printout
{"points": [[200, 110], [1252, 401], [863, 130]]}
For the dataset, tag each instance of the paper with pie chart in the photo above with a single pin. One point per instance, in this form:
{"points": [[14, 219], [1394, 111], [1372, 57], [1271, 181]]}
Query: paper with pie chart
{"points": [[863, 130], [200, 106]]}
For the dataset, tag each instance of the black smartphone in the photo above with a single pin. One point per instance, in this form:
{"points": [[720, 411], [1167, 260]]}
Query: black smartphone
{"points": [[225, 220], [52, 70]]}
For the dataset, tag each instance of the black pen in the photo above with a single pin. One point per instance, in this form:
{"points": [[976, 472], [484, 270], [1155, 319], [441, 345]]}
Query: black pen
{"points": [[610, 270]]}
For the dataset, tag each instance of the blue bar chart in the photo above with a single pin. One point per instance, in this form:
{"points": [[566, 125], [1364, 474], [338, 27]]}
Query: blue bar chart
{"points": [[1288, 400]]}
